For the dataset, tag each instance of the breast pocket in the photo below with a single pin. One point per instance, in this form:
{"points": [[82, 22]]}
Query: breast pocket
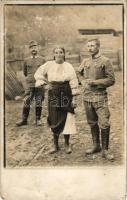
{"points": [[100, 71]]}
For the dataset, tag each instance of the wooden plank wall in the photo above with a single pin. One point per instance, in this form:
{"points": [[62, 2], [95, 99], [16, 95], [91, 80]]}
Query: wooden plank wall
{"points": [[13, 87]]}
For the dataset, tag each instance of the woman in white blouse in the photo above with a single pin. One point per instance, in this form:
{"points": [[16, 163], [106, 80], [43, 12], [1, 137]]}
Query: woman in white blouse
{"points": [[63, 87]]}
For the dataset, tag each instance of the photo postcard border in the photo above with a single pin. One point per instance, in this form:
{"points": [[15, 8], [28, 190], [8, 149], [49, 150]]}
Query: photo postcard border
{"points": [[124, 61]]}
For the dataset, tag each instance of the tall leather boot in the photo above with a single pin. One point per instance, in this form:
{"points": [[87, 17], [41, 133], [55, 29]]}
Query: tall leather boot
{"points": [[105, 144], [38, 115], [25, 115], [96, 140], [67, 145], [55, 148]]}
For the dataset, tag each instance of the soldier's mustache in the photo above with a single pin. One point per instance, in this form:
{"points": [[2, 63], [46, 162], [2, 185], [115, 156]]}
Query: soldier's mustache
{"points": [[34, 51]]}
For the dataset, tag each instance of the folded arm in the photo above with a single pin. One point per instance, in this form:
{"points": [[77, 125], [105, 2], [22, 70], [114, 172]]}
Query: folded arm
{"points": [[109, 79]]}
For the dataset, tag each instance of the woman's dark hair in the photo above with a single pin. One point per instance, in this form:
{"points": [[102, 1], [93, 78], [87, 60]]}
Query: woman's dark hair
{"points": [[59, 48]]}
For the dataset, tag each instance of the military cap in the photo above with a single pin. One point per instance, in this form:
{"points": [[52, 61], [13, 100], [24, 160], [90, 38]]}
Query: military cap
{"points": [[32, 43]]}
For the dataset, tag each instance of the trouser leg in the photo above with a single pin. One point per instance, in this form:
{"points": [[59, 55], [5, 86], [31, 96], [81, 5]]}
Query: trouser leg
{"points": [[26, 109], [103, 118], [91, 114], [92, 119], [39, 97], [27, 103]]}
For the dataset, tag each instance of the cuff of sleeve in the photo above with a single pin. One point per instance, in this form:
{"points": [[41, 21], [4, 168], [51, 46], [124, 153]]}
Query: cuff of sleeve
{"points": [[75, 92], [39, 83]]}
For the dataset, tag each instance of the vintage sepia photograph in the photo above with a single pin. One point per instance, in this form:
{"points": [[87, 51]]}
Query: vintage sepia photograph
{"points": [[63, 85], [63, 97]]}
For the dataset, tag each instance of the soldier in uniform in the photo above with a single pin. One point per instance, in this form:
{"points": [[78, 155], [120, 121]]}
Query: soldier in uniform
{"points": [[31, 64], [97, 73]]}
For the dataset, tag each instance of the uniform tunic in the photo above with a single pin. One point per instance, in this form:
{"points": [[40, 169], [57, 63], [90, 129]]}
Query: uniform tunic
{"points": [[52, 72], [31, 64], [101, 71]]}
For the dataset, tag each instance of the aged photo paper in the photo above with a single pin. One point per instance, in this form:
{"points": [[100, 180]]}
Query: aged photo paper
{"points": [[63, 100]]}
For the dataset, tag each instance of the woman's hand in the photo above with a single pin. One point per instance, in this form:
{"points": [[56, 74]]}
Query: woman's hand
{"points": [[74, 101]]}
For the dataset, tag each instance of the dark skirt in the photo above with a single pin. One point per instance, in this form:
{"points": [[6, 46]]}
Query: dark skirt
{"points": [[59, 104]]}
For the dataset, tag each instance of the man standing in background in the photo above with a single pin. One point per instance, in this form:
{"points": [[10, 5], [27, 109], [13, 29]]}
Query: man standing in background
{"points": [[98, 74], [31, 64]]}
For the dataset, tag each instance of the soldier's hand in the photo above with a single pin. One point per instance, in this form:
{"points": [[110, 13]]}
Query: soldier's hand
{"points": [[91, 82]]}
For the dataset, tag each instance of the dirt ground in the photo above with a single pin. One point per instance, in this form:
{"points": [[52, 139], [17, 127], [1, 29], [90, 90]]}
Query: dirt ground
{"points": [[29, 146]]}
